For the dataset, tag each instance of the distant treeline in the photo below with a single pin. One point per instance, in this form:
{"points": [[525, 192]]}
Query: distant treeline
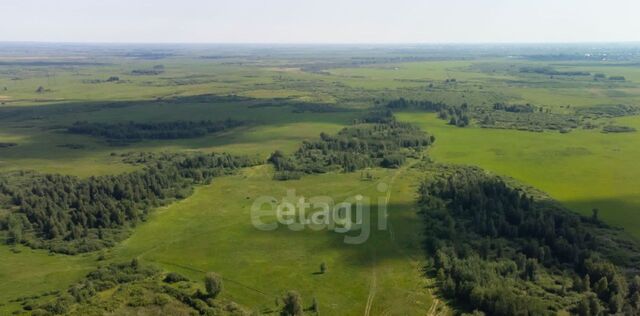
{"points": [[498, 250], [7, 145], [135, 131], [376, 140], [552, 72], [403, 104], [525, 117], [71, 215], [156, 70], [317, 108], [301, 107], [613, 110], [618, 129]]}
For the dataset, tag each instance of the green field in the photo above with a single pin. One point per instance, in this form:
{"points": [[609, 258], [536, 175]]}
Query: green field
{"points": [[212, 231], [582, 169]]}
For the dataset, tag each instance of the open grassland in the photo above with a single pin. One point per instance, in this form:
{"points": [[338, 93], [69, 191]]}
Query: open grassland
{"points": [[486, 81], [212, 231], [87, 81], [584, 169], [34, 272]]}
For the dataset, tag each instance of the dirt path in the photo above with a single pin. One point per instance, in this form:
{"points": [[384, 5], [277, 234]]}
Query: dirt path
{"points": [[433, 309], [372, 287]]}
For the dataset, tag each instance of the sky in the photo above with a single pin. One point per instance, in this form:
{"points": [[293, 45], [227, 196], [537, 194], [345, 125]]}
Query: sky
{"points": [[315, 21]]}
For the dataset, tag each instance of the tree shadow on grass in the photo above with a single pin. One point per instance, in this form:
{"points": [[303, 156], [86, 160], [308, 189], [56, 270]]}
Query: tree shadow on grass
{"points": [[379, 247]]}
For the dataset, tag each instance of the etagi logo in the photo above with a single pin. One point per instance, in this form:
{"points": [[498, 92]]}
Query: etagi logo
{"points": [[351, 217]]}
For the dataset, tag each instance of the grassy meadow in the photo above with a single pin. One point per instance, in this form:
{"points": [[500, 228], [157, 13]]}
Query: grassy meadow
{"points": [[212, 231]]}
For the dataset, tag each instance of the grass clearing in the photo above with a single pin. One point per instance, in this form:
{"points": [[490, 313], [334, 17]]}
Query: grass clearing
{"points": [[584, 169]]}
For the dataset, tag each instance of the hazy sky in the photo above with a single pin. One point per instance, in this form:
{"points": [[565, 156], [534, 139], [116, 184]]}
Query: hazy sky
{"points": [[315, 21]]}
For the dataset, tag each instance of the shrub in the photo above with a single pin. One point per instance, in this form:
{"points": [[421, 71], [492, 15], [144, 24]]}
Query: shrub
{"points": [[213, 284], [173, 277]]}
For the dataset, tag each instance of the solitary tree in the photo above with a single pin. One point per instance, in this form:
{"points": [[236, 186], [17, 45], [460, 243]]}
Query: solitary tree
{"points": [[323, 268], [635, 300], [586, 283], [135, 263], [213, 284], [601, 287], [530, 270], [15, 230], [292, 304], [594, 305], [583, 308], [615, 303]]}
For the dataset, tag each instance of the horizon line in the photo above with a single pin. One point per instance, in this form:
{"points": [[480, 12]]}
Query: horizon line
{"points": [[323, 43]]}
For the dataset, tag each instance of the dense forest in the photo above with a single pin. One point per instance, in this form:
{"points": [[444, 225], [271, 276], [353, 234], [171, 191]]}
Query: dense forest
{"points": [[71, 215], [500, 251], [135, 131], [377, 140]]}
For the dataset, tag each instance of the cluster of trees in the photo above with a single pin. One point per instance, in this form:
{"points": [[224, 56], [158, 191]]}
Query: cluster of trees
{"points": [[141, 283], [134, 131], [608, 110], [491, 242], [292, 305], [147, 72], [71, 215], [355, 147], [456, 115], [516, 108], [382, 116], [552, 72], [104, 278], [42, 89], [597, 76], [404, 104], [97, 81], [618, 129], [317, 108], [526, 117]]}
